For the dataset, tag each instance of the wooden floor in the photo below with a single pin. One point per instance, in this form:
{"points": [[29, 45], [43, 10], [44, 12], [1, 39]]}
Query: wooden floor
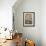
{"points": [[17, 40], [9, 43]]}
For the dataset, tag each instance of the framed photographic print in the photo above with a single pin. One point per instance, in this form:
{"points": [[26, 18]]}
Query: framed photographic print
{"points": [[28, 19]]}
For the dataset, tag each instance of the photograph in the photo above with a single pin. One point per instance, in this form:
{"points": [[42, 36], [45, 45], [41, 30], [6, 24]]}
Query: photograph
{"points": [[28, 19]]}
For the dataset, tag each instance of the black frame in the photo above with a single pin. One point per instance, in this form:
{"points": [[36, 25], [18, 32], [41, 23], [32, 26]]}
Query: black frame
{"points": [[33, 19]]}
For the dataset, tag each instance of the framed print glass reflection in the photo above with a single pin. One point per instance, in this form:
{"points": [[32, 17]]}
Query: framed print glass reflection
{"points": [[28, 19]]}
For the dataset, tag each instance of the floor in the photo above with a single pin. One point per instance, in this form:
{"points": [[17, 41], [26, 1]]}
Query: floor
{"points": [[9, 43], [16, 41]]}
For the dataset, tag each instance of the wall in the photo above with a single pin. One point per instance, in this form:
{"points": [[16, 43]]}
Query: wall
{"points": [[43, 22], [6, 13], [6, 16], [32, 33]]}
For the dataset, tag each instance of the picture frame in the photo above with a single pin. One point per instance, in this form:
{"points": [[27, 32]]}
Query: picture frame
{"points": [[28, 19]]}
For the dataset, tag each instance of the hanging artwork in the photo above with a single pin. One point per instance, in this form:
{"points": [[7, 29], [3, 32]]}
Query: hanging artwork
{"points": [[28, 19]]}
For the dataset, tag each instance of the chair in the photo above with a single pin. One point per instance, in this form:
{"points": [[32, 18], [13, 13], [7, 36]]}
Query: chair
{"points": [[29, 43], [18, 39]]}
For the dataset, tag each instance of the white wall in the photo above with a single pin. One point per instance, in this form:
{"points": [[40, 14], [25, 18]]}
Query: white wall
{"points": [[6, 13], [43, 22], [29, 32]]}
